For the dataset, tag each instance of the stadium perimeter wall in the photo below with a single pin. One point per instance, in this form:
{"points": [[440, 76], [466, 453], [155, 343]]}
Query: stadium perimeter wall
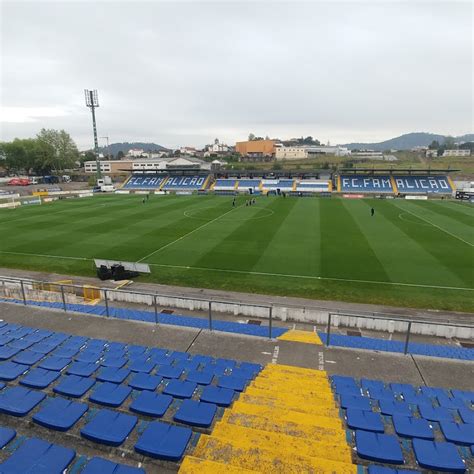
{"points": [[18, 288]]}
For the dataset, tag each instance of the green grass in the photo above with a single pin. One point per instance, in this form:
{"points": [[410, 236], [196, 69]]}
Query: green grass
{"points": [[412, 253]]}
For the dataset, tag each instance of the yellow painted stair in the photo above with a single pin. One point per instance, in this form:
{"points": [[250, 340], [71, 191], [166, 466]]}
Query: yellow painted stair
{"points": [[286, 421], [296, 335]]}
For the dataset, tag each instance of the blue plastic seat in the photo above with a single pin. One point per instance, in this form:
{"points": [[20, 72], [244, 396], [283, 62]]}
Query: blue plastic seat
{"points": [[143, 381], [169, 371], [88, 357], [21, 344], [388, 470], [6, 435], [464, 395], [109, 427], [163, 441], [227, 363], [11, 370], [151, 404], [242, 373], [433, 392], [435, 413], [410, 427], [83, 369], [98, 465], [66, 352], [180, 389], [44, 347], [27, 357], [136, 350], [39, 378], [7, 351], [74, 385], [356, 401], [438, 456], [112, 374], [466, 414], [199, 377], [251, 367], [113, 361], [232, 382], [19, 401], [451, 403], [403, 389], [394, 407], [368, 384], [55, 363], [378, 447], [192, 412], [381, 394], [364, 420], [142, 365], [39, 457], [417, 399], [110, 394], [220, 396], [458, 433], [60, 414]]}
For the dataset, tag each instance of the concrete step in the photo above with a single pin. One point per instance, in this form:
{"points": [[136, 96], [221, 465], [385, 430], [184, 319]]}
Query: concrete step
{"points": [[193, 465]]}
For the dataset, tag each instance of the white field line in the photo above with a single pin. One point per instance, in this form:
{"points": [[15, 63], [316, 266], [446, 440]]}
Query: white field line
{"points": [[46, 256], [437, 226], [310, 277], [186, 235], [243, 272]]}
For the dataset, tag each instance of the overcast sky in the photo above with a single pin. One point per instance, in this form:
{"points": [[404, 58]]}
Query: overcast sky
{"points": [[183, 73]]}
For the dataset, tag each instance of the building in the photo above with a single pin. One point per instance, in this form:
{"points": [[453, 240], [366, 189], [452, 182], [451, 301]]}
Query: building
{"points": [[163, 164], [367, 154], [457, 152], [188, 151], [308, 151], [135, 152], [256, 148], [217, 148], [431, 153]]}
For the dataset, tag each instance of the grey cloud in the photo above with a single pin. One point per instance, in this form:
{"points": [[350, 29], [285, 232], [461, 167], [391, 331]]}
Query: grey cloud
{"points": [[184, 72]]}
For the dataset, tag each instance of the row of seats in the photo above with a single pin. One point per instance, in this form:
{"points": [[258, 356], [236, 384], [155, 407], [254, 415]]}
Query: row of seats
{"points": [[391, 422], [161, 318], [371, 343], [35, 455], [63, 379]]}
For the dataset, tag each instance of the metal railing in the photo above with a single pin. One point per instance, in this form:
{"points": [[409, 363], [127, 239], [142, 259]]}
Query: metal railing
{"points": [[62, 293], [409, 323]]}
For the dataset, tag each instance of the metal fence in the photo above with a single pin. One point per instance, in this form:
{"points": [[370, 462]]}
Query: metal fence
{"points": [[65, 295]]}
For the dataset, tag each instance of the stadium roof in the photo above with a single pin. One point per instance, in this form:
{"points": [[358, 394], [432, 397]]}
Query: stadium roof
{"points": [[396, 170]]}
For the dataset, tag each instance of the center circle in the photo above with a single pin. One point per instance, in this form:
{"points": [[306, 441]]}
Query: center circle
{"points": [[231, 216]]}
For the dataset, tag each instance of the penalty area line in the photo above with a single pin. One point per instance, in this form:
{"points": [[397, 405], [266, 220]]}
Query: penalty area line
{"points": [[311, 277], [44, 255]]}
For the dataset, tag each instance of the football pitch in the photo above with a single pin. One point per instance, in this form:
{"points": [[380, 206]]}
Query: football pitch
{"points": [[410, 253]]}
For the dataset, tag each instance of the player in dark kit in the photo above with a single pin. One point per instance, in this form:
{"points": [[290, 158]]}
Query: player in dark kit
{"points": [[372, 212]]}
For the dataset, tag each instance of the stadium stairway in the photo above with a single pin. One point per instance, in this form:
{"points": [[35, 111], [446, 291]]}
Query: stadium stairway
{"points": [[285, 421]]}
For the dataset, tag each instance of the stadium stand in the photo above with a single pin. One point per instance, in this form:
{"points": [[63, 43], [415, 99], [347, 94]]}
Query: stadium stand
{"points": [[365, 184], [313, 186], [269, 185], [249, 184], [224, 185], [423, 184], [423, 433], [144, 181], [176, 183]]}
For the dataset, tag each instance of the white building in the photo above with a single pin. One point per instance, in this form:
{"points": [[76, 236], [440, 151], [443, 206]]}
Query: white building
{"points": [[308, 151], [217, 147], [458, 152], [188, 150], [368, 154], [135, 152]]}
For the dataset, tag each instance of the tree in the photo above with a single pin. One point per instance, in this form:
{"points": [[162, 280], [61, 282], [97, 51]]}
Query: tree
{"points": [[58, 149], [434, 145], [251, 137], [449, 143], [120, 155]]}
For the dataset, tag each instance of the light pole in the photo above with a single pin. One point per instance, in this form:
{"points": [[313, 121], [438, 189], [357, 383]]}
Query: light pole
{"points": [[92, 101], [108, 154]]}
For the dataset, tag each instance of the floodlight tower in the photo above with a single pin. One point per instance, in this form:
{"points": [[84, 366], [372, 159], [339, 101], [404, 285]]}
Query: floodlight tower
{"points": [[92, 101]]}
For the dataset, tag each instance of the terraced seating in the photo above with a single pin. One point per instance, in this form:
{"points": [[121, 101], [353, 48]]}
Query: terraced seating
{"points": [[424, 427], [371, 343], [137, 396], [161, 318]]}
